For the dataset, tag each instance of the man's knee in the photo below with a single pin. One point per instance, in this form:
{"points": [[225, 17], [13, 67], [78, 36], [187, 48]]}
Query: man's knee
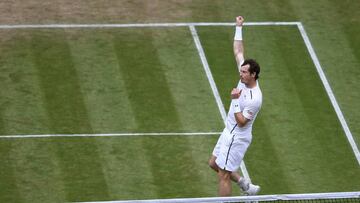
{"points": [[224, 175], [212, 163]]}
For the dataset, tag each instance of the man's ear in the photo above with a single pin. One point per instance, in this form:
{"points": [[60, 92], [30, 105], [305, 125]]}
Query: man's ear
{"points": [[253, 74]]}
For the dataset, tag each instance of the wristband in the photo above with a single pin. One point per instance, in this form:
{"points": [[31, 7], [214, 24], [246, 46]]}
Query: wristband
{"points": [[236, 105], [238, 33]]}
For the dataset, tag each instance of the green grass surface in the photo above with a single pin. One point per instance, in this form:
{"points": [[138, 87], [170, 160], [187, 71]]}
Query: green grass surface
{"points": [[88, 169], [152, 80], [105, 88], [88, 81]]}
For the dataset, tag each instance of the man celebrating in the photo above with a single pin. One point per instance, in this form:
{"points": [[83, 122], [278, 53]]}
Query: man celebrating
{"points": [[237, 135]]}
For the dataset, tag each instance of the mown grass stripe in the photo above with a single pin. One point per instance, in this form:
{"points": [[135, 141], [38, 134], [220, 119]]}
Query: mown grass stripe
{"points": [[21, 103], [9, 188], [66, 110], [147, 88], [102, 86], [153, 104], [37, 168]]}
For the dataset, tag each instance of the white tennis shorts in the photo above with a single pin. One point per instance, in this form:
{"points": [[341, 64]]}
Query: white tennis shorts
{"points": [[230, 150]]}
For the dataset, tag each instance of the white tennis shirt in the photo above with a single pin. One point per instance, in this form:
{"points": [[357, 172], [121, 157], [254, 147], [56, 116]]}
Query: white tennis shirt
{"points": [[250, 102]]}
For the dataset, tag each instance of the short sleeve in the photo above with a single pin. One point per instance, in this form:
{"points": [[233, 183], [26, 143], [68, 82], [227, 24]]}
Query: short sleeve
{"points": [[250, 111]]}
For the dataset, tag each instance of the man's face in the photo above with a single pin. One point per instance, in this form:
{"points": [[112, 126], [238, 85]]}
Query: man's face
{"points": [[245, 75]]}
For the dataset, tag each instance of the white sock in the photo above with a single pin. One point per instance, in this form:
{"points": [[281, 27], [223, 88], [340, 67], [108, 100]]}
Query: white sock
{"points": [[243, 183]]}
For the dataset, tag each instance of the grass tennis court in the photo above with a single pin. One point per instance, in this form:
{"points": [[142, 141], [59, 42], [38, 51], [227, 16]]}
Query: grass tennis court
{"points": [[151, 80]]}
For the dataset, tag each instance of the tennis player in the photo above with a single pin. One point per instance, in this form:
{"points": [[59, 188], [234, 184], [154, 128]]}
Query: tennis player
{"points": [[237, 134]]}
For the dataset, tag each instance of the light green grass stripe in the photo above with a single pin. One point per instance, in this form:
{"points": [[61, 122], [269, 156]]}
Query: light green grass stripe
{"points": [[105, 97], [101, 83], [65, 106], [37, 171]]}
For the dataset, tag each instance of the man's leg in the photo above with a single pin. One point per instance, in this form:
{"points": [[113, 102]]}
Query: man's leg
{"points": [[224, 182], [235, 176]]}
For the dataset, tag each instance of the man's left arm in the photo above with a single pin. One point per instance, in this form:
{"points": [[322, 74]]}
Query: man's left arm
{"points": [[241, 120]]}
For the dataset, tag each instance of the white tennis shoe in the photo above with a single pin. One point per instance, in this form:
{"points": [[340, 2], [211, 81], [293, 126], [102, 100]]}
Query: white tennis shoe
{"points": [[252, 190]]}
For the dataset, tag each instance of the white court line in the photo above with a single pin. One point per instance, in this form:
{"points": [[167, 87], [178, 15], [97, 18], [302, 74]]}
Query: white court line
{"points": [[329, 92], [214, 88], [32, 26], [107, 135], [208, 72]]}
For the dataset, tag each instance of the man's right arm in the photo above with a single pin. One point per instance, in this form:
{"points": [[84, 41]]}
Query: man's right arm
{"points": [[238, 43]]}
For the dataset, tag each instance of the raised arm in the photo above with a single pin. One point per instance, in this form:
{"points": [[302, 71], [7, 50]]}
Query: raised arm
{"points": [[238, 44]]}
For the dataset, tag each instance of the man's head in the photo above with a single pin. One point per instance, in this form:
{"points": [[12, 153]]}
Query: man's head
{"points": [[249, 71]]}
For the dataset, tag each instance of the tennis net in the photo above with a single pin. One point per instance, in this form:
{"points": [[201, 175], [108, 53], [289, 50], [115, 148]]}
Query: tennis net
{"points": [[337, 197]]}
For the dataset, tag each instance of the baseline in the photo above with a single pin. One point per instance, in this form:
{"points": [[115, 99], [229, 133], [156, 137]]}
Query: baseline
{"points": [[32, 26], [108, 135]]}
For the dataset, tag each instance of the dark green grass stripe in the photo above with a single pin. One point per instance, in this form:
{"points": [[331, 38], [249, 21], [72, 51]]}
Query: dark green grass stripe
{"points": [[67, 114], [151, 100], [59, 83], [9, 191], [145, 81]]}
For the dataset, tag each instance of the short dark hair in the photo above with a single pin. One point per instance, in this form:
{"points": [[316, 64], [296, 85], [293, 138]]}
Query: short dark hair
{"points": [[254, 67]]}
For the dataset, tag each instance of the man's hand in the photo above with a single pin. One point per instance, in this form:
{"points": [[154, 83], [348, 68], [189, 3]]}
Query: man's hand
{"points": [[235, 93], [239, 21]]}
